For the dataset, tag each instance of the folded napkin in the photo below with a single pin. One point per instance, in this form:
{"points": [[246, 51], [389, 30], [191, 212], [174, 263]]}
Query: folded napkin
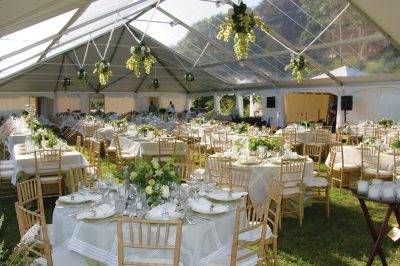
{"points": [[101, 211], [157, 212], [219, 194], [76, 197], [204, 206]]}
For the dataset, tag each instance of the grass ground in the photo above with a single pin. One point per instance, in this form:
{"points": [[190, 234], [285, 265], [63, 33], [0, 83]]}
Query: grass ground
{"points": [[341, 240]]}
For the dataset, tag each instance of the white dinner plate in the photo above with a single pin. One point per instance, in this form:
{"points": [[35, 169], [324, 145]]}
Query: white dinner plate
{"points": [[79, 198], [222, 195]]}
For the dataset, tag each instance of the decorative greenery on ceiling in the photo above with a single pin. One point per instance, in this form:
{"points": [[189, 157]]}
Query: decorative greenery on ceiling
{"points": [[140, 54], [298, 66], [241, 21], [102, 68]]}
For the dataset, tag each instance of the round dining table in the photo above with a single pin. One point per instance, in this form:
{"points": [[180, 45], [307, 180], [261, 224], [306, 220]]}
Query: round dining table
{"points": [[209, 237]]}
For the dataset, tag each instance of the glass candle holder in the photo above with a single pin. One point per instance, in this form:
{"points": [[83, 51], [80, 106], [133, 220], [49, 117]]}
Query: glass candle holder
{"points": [[362, 187]]}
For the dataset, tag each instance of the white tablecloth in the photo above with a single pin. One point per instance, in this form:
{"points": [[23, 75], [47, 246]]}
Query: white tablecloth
{"points": [[140, 147], [261, 174], [99, 241], [26, 162], [305, 137], [352, 155], [14, 139]]}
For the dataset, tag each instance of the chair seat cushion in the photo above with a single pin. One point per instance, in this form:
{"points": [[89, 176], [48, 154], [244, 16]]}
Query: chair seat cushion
{"points": [[7, 174], [6, 162], [127, 156], [382, 173], [346, 166], [316, 182], [48, 179], [255, 234], [291, 191], [226, 259], [62, 256]]}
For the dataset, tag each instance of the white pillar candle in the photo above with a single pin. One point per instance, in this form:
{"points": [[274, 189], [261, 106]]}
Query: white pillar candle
{"points": [[362, 187], [374, 192], [388, 193]]}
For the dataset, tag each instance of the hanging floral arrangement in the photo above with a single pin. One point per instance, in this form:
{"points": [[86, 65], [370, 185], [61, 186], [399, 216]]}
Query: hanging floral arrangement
{"points": [[66, 82], [299, 67], [241, 22], [189, 78], [140, 54], [102, 68], [156, 84], [82, 77]]}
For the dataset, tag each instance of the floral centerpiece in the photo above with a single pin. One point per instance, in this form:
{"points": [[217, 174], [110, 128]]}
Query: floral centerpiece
{"points": [[241, 21], [386, 122], [308, 124], [30, 118], [241, 128], [45, 138], [120, 123], [270, 143], [298, 66], [140, 54], [396, 144], [238, 144], [199, 120], [144, 129], [154, 179], [102, 68]]}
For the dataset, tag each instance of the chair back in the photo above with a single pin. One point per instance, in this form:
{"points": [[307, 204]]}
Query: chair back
{"points": [[225, 173], [370, 157], [322, 136], [240, 178], [249, 219], [213, 169], [166, 147], [48, 162], [30, 194], [185, 170], [89, 130], [369, 131], [78, 144], [27, 220], [312, 150], [291, 173], [82, 175], [337, 150], [273, 205], [290, 136], [149, 235]]}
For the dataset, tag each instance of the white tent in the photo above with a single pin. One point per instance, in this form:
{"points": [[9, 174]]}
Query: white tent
{"points": [[39, 40]]}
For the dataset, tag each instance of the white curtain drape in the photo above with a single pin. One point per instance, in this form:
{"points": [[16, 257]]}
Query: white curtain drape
{"points": [[68, 102], [119, 104], [9, 105]]}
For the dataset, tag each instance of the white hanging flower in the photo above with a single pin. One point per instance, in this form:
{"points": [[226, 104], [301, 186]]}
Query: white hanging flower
{"points": [[165, 192]]}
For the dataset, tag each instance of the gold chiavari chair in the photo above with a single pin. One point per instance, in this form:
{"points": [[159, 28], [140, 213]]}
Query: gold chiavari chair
{"points": [[370, 164], [380, 132], [340, 168], [82, 175], [338, 136], [109, 152], [396, 164], [208, 141], [291, 174], [78, 143], [221, 145], [30, 195], [290, 136], [322, 137], [318, 188], [273, 214], [240, 178], [88, 133], [48, 169], [250, 231], [166, 148], [150, 235], [185, 170], [225, 172], [197, 154], [369, 132], [314, 151], [60, 256], [213, 169], [121, 157]]}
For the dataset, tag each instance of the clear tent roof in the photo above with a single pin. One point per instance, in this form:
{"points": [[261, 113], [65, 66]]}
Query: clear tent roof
{"points": [[183, 33]]}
